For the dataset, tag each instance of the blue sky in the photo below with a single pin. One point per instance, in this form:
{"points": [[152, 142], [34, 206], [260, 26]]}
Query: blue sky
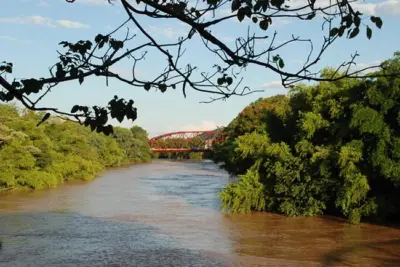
{"points": [[31, 30]]}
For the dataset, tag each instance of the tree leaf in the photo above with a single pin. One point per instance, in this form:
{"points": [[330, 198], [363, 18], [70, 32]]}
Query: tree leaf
{"points": [[354, 33], [235, 5], [147, 86], [311, 16], [357, 21], [275, 58], [45, 118], [369, 32], [281, 63], [333, 32], [341, 30], [378, 22], [74, 109], [162, 87], [254, 19], [73, 72], [81, 77], [240, 14], [229, 80], [264, 24]]}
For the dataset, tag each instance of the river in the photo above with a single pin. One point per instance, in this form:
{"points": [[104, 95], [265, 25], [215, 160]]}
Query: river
{"points": [[168, 214]]}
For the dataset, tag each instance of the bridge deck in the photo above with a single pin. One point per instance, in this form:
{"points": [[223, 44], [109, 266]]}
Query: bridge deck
{"points": [[178, 150]]}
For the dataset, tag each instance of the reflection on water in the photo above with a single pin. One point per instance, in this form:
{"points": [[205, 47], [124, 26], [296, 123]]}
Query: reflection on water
{"points": [[167, 214]]}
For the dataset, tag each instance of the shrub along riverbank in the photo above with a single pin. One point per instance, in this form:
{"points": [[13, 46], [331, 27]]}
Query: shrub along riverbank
{"points": [[58, 151], [331, 148]]}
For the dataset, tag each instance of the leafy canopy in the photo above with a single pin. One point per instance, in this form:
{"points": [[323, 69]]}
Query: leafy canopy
{"points": [[329, 148]]}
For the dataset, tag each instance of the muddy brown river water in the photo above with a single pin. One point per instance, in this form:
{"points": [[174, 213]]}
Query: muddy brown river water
{"points": [[168, 214]]}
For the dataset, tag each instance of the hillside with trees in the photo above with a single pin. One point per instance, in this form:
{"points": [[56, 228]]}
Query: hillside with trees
{"points": [[58, 151], [329, 148]]}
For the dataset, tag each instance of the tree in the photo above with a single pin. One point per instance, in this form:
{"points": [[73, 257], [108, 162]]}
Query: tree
{"points": [[86, 58], [342, 157]]}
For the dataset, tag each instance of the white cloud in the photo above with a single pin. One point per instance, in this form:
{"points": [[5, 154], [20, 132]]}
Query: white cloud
{"points": [[37, 20], [272, 85], [43, 4], [390, 7], [360, 66], [72, 24], [44, 21], [202, 126], [7, 38]]}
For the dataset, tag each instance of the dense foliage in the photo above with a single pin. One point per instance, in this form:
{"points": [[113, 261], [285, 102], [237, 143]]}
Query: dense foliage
{"points": [[58, 150], [328, 148]]}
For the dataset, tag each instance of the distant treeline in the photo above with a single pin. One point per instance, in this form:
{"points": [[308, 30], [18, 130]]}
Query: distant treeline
{"points": [[59, 150], [330, 148]]}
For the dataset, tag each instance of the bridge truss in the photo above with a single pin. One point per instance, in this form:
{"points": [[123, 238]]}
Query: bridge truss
{"points": [[185, 141]]}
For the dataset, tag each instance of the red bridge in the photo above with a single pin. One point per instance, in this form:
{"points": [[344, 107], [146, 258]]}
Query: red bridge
{"points": [[185, 141]]}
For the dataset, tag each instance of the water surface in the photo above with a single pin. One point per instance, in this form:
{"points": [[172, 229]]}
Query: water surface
{"points": [[168, 214]]}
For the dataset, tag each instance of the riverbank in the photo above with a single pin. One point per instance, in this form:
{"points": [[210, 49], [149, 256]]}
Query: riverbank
{"points": [[58, 151]]}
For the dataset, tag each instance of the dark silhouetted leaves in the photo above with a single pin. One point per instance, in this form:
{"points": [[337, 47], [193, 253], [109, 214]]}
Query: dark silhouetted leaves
{"points": [[101, 40], [6, 97], [377, 20], [281, 63], [277, 3], [275, 58], [264, 24], [229, 80], [115, 44], [147, 86], [75, 109], [60, 73], [311, 16], [45, 118], [81, 77], [244, 11], [261, 4], [6, 66], [341, 30], [333, 32], [357, 21], [73, 72], [32, 86], [162, 87], [212, 2], [354, 33], [254, 19], [235, 5], [369, 32], [119, 108]]}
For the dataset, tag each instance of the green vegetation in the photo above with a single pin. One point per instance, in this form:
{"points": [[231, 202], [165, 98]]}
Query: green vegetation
{"points": [[330, 148], [58, 150]]}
